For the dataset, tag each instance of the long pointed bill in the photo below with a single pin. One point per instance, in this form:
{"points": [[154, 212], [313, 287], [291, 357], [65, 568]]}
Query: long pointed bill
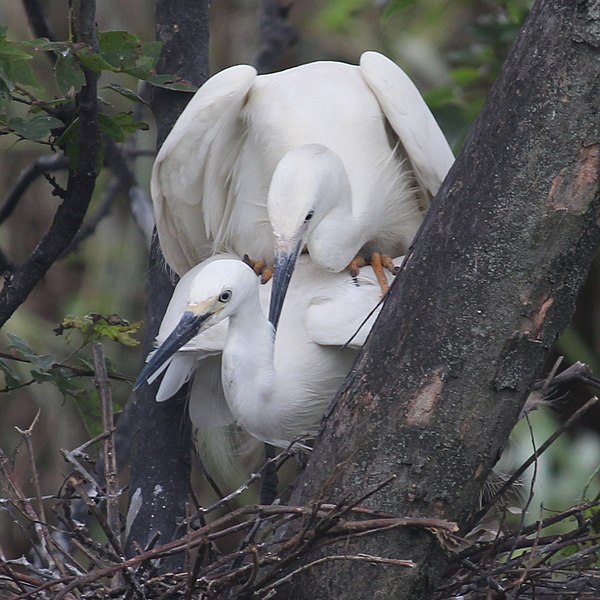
{"points": [[283, 267], [188, 327]]}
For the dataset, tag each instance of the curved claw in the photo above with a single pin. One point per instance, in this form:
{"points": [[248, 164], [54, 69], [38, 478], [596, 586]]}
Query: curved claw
{"points": [[259, 267], [379, 263]]}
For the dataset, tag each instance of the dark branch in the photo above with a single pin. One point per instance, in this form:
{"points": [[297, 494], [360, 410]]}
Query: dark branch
{"points": [[39, 24], [45, 164], [276, 34], [80, 185]]}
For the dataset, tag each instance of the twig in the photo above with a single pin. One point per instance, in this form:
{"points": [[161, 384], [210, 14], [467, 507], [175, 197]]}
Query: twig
{"points": [[515, 476], [360, 557], [110, 459], [44, 164], [578, 371], [46, 538]]}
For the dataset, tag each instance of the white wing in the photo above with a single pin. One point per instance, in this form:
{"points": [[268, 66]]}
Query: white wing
{"points": [[191, 175], [346, 315], [424, 143]]}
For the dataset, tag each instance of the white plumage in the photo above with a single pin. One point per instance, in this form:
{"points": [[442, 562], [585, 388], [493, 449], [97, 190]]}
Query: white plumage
{"points": [[275, 388], [374, 149]]}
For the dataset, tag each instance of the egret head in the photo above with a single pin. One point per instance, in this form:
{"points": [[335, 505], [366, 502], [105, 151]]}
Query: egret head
{"points": [[309, 183], [215, 294]]}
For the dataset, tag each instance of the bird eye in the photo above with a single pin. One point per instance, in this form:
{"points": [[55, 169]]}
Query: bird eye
{"points": [[225, 296], [309, 216]]}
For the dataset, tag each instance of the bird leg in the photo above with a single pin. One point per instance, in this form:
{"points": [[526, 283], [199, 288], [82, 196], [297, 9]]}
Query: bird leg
{"points": [[259, 267], [379, 262]]}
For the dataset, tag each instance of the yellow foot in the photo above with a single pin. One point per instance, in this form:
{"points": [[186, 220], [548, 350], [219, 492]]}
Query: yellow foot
{"points": [[379, 263], [259, 267]]}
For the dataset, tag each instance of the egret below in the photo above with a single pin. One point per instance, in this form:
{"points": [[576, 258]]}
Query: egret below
{"points": [[274, 387]]}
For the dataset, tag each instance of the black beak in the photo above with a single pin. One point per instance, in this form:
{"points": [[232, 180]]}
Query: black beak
{"points": [[283, 267], [188, 327]]}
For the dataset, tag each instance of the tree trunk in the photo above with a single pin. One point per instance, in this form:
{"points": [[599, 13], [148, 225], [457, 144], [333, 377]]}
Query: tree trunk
{"points": [[489, 285], [160, 460]]}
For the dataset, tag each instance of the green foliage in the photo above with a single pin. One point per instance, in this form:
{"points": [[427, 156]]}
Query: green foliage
{"points": [[42, 369], [94, 326], [71, 381], [54, 120], [475, 68], [337, 14]]}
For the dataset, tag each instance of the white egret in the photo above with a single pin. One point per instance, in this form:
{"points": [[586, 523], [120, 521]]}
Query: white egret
{"points": [[276, 388], [341, 158]]}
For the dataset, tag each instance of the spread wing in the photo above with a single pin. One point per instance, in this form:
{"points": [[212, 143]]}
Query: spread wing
{"points": [[190, 182], [418, 131]]}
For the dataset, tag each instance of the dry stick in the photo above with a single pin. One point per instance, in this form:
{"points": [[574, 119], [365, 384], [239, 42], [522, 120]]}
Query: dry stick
{"points": [[46, 540], [112, 538], [531, 485], [21, 501], [484, 575], [572, 419], [198, 537], [360, 557], [528, 567], [578, 371], [544, 555], [110, 458]]}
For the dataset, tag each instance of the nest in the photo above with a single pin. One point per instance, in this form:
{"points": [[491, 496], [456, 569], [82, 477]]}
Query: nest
{"points": [[274, 543]]}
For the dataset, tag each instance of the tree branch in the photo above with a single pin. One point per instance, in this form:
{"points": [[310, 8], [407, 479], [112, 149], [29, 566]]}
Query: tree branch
{"points": [[44, 164], [489, 285], [162, 483], [80, 185]]}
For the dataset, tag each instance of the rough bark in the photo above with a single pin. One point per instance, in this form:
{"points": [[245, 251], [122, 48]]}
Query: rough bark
{"points": [[160, 460], [489, 285]]}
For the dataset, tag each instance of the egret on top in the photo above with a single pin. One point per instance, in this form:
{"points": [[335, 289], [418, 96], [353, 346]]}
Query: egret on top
{"points": [[339, 158]]}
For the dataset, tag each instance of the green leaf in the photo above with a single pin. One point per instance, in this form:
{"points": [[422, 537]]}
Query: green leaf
{"points": [[41, 377], [15, 72], [88, 404], [12, 51], [338, 14], [43, 362], [117, 41], [94, 326], [92, 60], [172, 82], [395, 6], [69, 76], [35, 129], [121, 49], [128, 122], [153, 50], [11, 377], [119, 125], [69, 142], [126, 92], [66, 382], [110, 127], [45, 45], [19, 346], [4, 98]]}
